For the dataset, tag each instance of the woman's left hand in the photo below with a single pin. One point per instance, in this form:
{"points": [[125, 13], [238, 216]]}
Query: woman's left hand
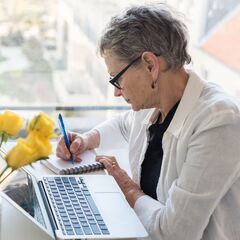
{"points": [[130, 189]]}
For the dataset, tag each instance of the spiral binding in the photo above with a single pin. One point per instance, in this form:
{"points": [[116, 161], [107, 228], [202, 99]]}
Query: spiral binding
{"points": [[82, 169]]}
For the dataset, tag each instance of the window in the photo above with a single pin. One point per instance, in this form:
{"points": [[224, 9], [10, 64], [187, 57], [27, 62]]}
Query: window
{"points": [[48, 55]]}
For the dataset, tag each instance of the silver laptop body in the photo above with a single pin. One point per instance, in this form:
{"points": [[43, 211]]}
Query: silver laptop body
{"points": [[92, 208]]}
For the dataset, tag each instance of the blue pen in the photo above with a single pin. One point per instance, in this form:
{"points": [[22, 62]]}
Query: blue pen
{"points": [[66, 139]]}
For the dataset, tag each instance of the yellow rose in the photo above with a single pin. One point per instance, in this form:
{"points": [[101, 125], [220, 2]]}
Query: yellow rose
{"points": [[40, 143], [10, 123], [43, 124], [20, 155]]}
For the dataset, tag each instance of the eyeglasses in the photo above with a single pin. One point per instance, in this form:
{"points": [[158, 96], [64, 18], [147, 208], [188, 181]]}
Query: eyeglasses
{"points": [[115, 80]]}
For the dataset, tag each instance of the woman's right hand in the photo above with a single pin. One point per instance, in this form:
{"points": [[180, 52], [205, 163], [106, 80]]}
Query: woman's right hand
{"points": [[79, 144]]}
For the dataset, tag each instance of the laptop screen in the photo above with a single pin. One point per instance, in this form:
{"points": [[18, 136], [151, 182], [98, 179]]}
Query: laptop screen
{"points": [[20, 189]]}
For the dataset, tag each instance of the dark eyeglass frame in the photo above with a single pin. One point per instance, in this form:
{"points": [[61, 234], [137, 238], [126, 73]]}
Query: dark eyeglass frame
{"points": [[114, 80]]}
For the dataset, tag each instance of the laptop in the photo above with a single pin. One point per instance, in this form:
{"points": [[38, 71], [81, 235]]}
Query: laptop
{"points": [[71, 207]]}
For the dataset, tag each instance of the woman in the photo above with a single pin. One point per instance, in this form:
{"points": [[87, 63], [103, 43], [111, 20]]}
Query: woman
{"points": [[182, 132]]}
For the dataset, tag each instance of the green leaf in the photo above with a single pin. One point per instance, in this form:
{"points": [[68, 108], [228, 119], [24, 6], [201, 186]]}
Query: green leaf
{"points": [[1, 138], [5, 137], [42, 158], [33, 126]]}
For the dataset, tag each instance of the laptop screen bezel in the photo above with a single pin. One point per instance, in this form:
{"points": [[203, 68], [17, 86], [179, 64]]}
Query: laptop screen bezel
{"points": [[47, 228]]}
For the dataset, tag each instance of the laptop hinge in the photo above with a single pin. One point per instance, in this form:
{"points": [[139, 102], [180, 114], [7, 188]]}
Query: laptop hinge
{"points": [[48, 209]]}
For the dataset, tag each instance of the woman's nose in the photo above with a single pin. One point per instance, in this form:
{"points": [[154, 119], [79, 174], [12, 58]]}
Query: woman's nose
{"points": [[117, 92]]}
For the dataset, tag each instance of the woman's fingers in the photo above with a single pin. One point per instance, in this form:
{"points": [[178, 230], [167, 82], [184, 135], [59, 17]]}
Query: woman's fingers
{"points": [[76, 148], [61, 150], [109, 162], [76, 145]]}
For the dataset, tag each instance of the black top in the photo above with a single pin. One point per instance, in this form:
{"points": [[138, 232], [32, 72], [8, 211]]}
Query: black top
{"points": [[152, 162]]}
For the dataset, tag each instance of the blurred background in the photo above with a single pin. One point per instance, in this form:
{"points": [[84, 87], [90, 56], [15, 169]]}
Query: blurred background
{"points": [[48, 59]]}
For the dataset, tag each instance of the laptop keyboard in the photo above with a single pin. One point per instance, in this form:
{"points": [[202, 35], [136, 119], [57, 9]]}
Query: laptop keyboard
{"points": [[74, 206]]}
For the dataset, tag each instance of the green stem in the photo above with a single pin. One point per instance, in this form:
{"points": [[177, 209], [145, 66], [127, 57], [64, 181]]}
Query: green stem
{"points": [[2, 156], [2, 151], [4, 170], [1, 139], [4, 138], [6, 176]]}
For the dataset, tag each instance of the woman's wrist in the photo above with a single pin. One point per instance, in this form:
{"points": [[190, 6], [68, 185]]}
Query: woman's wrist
{"points": [[133, 195], [91, 139]]}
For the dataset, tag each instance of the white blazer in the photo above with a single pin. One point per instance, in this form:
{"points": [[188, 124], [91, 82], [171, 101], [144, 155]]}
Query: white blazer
{"points": [[199, 186]]}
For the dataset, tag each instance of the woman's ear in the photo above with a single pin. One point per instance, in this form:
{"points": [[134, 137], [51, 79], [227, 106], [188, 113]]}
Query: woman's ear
{"points": [[151, 63]]}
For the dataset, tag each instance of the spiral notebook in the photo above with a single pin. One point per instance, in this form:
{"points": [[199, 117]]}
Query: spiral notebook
{"points": [[87, 165]]}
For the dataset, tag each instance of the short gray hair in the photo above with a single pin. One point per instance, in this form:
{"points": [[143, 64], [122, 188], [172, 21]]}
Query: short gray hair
{"points": [[151, 27]]}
